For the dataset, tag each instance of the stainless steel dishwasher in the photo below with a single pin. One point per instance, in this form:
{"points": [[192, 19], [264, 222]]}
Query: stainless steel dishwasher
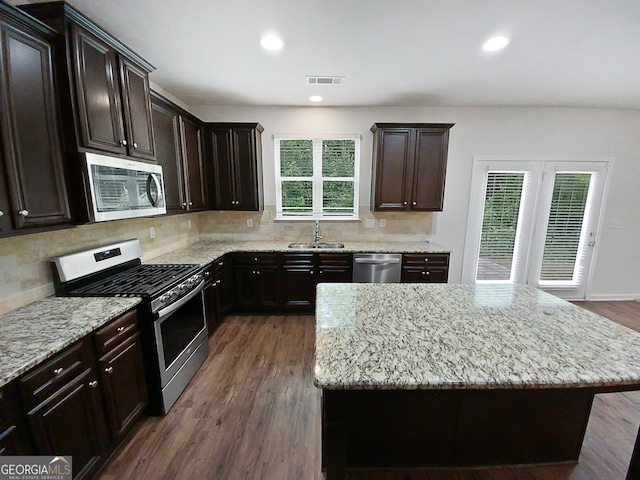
{"points": [[377, 267]]}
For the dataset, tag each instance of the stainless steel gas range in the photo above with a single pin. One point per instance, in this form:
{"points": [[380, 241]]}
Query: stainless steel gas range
{"points": [[172, 320]]}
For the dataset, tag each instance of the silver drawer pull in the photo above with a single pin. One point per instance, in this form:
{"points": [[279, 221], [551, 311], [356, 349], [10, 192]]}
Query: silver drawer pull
{"points": [[426, 259], [108, 370], [24, 213], [58, 371], [120, 329], [93, 384]]}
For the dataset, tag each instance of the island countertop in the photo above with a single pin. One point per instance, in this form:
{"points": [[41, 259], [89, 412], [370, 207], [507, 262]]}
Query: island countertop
{"points": [[448, 336]]}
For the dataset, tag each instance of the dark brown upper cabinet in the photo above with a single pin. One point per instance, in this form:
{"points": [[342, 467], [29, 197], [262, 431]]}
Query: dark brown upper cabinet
{"points": [[33, 193], [178, 138], [105, 87], [234, 166], [409, 166]]}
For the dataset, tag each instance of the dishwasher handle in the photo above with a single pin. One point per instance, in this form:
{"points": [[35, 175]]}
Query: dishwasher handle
{"points": [[370, 261]]}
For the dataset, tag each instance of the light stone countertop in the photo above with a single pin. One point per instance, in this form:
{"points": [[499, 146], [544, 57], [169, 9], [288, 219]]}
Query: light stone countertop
{"points": [[448, 336], [206, 251], [35, 332]]}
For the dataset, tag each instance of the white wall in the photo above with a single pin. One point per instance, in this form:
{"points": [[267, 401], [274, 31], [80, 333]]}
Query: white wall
{"points": [[490, 131]]}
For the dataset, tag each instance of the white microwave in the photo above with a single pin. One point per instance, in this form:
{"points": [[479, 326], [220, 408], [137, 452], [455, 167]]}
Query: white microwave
{"points": [[122, 188]]}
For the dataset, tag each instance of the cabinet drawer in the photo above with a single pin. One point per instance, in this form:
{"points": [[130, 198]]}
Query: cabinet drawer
{"points": [[218, 265], [9, 405], [257, 258], [298, 259], [426, 259], [335, 260], [49, 377], [123, 327]]}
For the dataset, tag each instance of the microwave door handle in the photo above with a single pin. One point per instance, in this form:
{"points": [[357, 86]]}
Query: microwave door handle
{"points": [[153, 177]]}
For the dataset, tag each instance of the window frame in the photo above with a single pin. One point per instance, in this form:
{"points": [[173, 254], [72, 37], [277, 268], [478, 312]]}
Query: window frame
{"points": [[317, 179]]}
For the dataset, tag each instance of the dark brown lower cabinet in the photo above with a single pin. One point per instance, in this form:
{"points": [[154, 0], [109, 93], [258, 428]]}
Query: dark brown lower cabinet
{"points": [[258, 282], [14, 431], [72, 409], [72, 422], [425, 268], [299, 281], [125, 392], [216, 293]]}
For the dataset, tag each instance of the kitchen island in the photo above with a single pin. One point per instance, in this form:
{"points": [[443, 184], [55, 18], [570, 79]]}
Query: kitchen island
{"points": [[443, 375]]}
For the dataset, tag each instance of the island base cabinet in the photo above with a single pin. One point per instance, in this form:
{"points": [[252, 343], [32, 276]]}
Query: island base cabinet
{"points": [[460, 428]]}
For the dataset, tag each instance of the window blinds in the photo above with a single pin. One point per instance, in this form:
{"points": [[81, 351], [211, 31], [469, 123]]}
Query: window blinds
{"points": [[500, 226]]}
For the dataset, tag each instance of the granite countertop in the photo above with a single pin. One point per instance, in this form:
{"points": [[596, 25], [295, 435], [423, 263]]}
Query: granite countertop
{"points": [[206, 251], [35, 332], [447, 336]]}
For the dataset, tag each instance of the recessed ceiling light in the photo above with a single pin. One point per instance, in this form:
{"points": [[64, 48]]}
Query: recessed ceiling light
{"points": [[271, 42], [315, 98], [495, 43]]}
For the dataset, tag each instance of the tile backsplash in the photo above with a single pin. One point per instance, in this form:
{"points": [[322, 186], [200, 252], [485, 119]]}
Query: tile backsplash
{"points": [[24, 260]]}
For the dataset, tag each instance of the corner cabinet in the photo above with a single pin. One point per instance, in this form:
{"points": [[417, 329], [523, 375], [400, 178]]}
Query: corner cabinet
{"points": [[409, 166], [33, 192], [234, 169], [105, 86], [178, 138]]}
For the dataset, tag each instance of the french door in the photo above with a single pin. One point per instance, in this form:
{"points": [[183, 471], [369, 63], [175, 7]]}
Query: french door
{"points": [[534, 222]]}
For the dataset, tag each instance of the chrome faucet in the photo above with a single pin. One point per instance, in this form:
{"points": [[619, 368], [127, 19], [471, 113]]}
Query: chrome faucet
{"points": [[318, 237]]}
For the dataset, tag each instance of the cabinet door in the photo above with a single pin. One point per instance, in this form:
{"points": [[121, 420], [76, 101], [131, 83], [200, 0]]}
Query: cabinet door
{"points": [[429, 169], [191, 134], [245, 167], [393, 150], [299, 288], [136, 99], [166, 126], [97, 93], [123, 385], [72, 421], [221, 177], [269, 287], [36, 195], [246, 288]]}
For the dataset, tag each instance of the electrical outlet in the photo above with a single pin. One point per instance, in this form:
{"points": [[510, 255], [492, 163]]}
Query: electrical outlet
{"points": [[370, 223], [152, 232], [250, 222], [383, 222], [189, 223]]}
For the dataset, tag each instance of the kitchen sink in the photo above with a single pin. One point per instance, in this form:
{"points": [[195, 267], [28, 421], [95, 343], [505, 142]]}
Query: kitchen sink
{"points": [[316, 245]]}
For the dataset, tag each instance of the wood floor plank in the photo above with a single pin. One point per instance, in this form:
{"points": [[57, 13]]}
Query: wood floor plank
{"points": [[252, 412]]}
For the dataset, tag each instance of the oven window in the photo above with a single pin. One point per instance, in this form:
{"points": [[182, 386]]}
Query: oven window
{"points": [[179, 329]]}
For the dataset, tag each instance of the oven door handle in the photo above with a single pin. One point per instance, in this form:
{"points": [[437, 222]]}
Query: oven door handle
{"points": [[176, 305]]}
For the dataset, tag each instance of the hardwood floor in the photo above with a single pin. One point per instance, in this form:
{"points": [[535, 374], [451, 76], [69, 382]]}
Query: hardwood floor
{"points": [[252, 412]]}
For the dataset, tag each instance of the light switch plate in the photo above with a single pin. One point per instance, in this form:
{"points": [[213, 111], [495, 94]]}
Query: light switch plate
{"points": [[189, 223], [152, 232], [249, 222], [370, 223], [383, 222]]}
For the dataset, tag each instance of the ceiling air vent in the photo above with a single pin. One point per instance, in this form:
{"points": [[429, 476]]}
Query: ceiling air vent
{"points": [[316, 80]]}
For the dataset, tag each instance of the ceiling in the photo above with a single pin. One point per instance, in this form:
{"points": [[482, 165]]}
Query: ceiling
{"points": [[567, 53]]}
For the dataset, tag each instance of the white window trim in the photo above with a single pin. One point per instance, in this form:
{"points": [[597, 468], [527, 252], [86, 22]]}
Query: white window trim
{"points": [[317, 177]]}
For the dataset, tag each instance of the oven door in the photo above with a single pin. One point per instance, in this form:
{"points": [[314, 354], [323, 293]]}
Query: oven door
{"points": [[180, 330]]}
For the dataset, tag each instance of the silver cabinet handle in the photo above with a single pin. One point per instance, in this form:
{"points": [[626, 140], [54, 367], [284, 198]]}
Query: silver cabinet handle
{"points": [[190, 203], [120, 329], [109, 370], [404, 203], [24, 213], [311, 272], [93, 384], [123, 142], [415, 203], [184, 204], [135, 145], [426, 259], [58, 371], [1, 213]]}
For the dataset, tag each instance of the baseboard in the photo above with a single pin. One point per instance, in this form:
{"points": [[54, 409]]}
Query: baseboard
{"points": [[611, 297]]}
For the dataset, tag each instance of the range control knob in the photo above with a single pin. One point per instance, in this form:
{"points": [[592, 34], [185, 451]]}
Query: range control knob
{"points": [[166, 297]]}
